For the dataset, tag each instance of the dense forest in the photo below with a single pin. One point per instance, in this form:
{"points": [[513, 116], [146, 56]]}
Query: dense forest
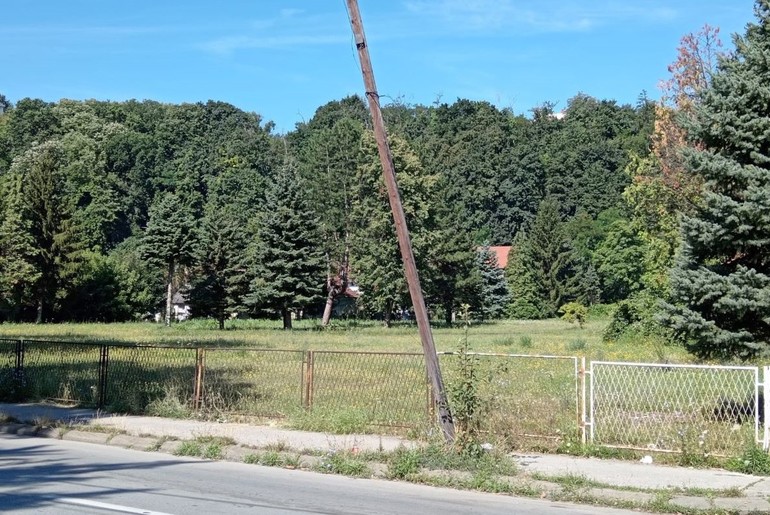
{"points": [[108, 209]]}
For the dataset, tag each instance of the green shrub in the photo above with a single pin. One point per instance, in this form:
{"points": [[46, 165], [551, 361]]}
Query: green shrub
{"points": [[635, 316], [754, 460], [170, 405], [270, 459], [212, 451], [576, 345], [189, 449], [574, 312], [525, 342], [404, 462], [344, 463], [464, 398]]}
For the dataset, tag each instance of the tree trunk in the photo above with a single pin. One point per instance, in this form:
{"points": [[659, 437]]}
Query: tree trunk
{"points": [[387, 313], [448, 314], [286, 318], [328, 307], [39, 316], [336, 288], [169, 282], [221, 322]]}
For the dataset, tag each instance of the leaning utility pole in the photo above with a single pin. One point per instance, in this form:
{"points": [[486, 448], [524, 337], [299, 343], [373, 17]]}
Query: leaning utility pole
{"points": [[404, 241]]}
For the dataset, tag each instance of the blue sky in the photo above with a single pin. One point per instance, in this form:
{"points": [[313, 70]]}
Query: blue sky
{"points": [[285, 58]]}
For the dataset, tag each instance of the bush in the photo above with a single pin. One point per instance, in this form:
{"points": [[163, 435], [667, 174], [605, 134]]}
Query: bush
{"points": [[574, 312], [635, 316]]}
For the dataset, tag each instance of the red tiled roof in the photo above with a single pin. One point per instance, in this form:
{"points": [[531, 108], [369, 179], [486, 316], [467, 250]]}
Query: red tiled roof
{"points": [[502, 255]]}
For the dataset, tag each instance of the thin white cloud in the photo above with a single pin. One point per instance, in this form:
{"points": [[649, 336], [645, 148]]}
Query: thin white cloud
{"points": [[288, 28], [545, 16], [82, 31], [229, 45]]}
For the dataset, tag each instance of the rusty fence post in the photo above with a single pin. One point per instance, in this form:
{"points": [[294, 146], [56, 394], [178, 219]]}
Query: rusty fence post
{"points": [[431, 399], [200, 365]]}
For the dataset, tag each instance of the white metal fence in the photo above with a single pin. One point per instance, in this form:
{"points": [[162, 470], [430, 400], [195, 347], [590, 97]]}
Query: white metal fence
{"points": [[706, 409]]}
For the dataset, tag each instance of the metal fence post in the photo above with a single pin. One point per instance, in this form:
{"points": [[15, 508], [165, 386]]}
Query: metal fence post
{"points": [[198, 380], [766, 411], [582, 400], [591, 413], [309, 373], [104, 358]]}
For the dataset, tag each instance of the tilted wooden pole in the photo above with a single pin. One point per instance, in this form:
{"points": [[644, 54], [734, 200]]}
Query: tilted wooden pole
{"points": [[404, 241]]}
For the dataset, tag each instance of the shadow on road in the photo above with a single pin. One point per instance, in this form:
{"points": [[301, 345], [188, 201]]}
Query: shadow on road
{"points": [[43, 468]]}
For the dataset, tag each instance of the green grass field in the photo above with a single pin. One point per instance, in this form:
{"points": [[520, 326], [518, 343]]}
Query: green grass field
{"points": [[357, 380], [552, 337]]}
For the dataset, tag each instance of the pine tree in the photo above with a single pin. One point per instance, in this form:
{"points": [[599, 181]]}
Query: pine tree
{"points": [[451, 278], [46, 215], [721, 282], [376, 257], [290, 265], [17, 252], [219, 283], [525, 300], [549, 255], [495, 294], [170, 238]]}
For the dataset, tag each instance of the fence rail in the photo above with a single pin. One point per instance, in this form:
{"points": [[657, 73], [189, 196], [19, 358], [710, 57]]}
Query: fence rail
{"points": [[547, 398]]}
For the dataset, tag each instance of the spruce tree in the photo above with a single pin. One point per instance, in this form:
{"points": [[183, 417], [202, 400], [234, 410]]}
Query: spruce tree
{"points": [[290, 266], [494, 289], [525, 300], [550, 260], [721, 282], [219, 282], [170, 238], [17, 252]]}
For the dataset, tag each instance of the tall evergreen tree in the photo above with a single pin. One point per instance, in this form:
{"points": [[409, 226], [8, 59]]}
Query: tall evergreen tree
{"points": [[451, 277], [328, 159], [289, 270], [721, 282], [17, 252], [550, 262], [219, 284], [170, 239], [376, 257], [495, 294], [48, 220], [525, 301]]}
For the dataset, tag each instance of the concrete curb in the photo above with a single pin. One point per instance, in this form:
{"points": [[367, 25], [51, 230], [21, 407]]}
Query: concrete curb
{"points": [[166, 436]]}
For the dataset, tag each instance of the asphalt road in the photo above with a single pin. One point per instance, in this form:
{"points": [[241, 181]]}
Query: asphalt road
{"points": [[45, 476]]}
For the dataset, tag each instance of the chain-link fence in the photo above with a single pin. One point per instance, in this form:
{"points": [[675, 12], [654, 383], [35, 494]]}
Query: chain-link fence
{"points": [[67, 372], [9, 366], [138, 378], [254, 381], [383, 388], [522, 397], [684, 408]]}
